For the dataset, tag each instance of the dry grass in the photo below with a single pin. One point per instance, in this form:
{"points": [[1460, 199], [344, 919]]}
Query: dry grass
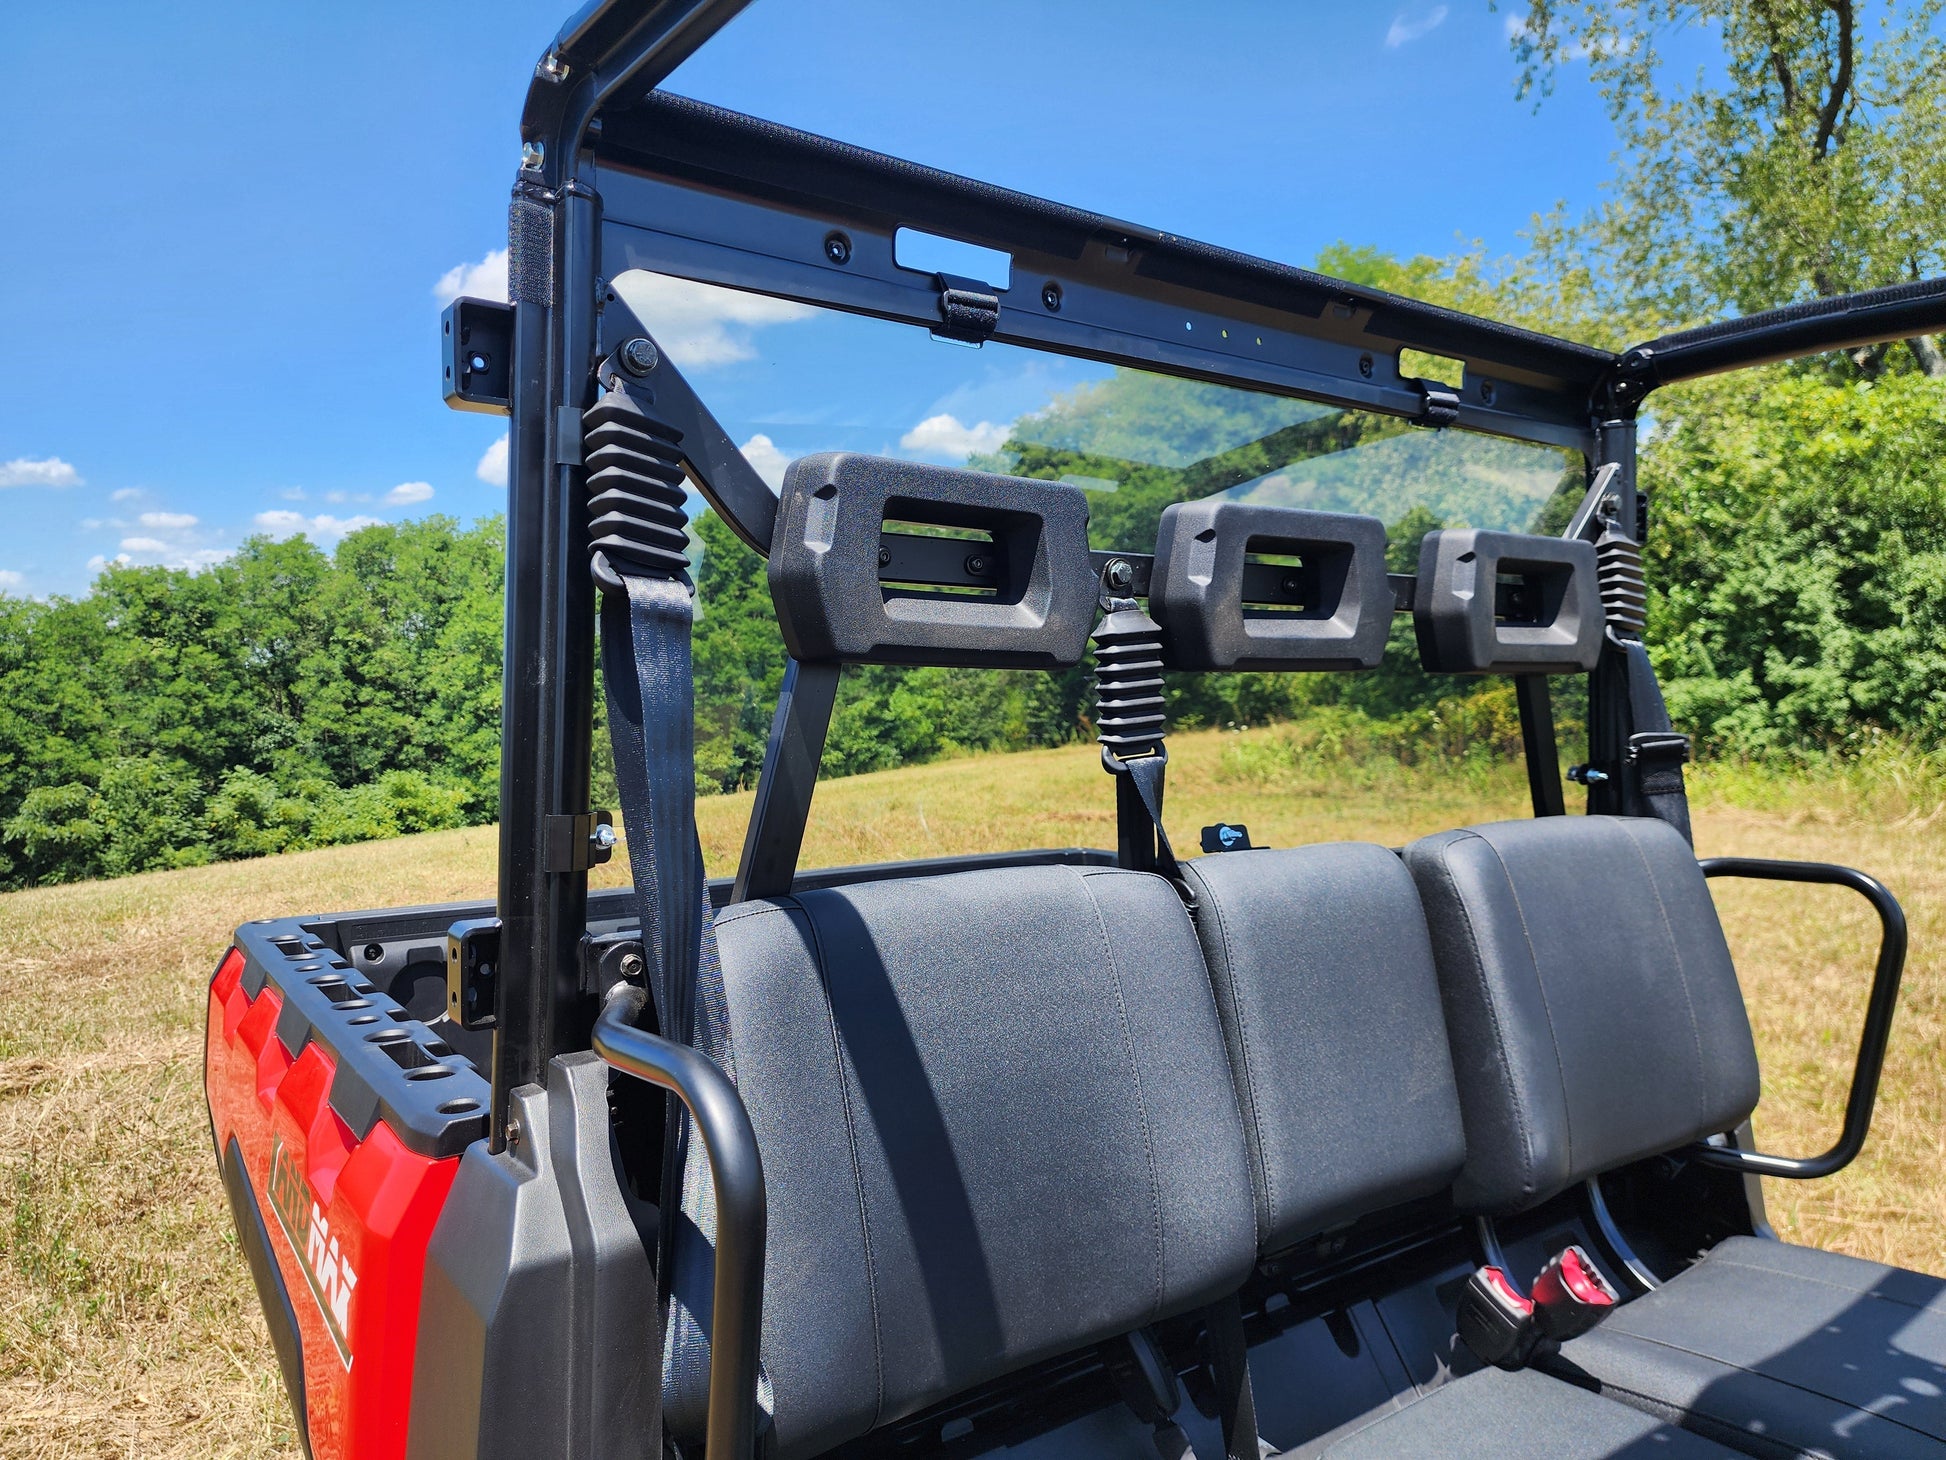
{"points": [[127, 1322]]}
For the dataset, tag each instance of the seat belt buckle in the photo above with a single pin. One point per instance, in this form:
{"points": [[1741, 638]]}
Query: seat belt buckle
{"points": [[1496, 1320], [1571, 1296]]}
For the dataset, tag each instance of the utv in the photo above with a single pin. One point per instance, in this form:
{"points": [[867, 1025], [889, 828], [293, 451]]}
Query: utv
{"points": [[1330, 1150]]}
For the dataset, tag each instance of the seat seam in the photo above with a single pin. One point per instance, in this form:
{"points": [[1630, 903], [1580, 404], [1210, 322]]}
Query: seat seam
{"points": [[1249, 1091], [1768, 1378], [1493, 1012], [1547, 1007], [1141, 1106], [857, 1166], [1653, 1406], [1682, 971]]}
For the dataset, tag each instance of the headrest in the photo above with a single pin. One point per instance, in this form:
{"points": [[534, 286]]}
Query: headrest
{"points": [[879, 561], [1237, 586], [1506, 603]]}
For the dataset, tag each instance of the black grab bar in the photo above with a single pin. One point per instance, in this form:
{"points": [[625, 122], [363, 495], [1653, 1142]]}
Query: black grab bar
{"points": [[1878, 1016], [737, 1173]]}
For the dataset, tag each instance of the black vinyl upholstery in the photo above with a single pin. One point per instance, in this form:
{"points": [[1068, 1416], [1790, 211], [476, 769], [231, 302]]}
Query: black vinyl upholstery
{"points": [[1593, 1009], [1783, 1351], [1493, 1415], [997, 1123], [1324, 981]]}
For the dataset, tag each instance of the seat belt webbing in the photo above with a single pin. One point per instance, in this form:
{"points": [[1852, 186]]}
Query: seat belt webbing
{"points": [[647, 673]]}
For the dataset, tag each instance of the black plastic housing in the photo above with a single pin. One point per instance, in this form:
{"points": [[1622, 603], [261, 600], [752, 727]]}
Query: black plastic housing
{"points": [[827, 556], [1327, 609], [1506, 603]]}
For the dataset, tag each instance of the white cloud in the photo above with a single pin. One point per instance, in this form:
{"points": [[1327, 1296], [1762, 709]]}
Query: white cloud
{"points": [[45, 471], [12, 582], [406, 493], [1405, 29], [125, 494], [144, 545], [700, 325], [98, 562], [323, 528], [89, 524], [292, 494], [485, 280], [493, 464], [945, 435], [762, 453], [168, 519]]}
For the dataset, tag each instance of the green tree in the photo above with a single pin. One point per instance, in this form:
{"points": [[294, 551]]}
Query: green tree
{"points": [[1811, 163]]}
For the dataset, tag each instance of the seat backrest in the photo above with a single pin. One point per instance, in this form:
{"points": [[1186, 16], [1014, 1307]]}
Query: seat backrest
{"points": [[1593, 1008], [1324, 980], [996, 1122]]}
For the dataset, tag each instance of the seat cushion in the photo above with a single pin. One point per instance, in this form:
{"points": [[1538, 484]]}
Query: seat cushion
{"points": [[1493, 1415], [1324, 981], [1594, 1012], [996, 1122], [1783, 1351]]}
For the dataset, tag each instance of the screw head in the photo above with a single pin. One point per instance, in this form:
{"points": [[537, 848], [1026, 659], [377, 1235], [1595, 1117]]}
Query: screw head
{"points": [[837, 247], [1290, 583], [1487, 391], [1051, 297], [639, 356], [603, 837], [513, 1132], [1365, 366], [1119, 574], [976, 565], [533, 156], [885, 557]]}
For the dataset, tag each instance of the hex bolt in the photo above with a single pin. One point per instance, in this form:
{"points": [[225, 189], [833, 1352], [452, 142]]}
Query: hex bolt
{"points": [[533, 156], [837, 247], [639, 356], [631, 966], [1051, 297], [1119, 574], [603, 838], [513, 1133], [976, 565]]}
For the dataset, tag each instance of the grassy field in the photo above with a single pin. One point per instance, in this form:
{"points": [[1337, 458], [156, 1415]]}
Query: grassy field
{"points": [[127, 1322]]}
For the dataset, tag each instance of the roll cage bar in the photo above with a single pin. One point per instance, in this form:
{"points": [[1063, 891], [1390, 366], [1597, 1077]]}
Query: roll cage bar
{"points": [[616, 175]]}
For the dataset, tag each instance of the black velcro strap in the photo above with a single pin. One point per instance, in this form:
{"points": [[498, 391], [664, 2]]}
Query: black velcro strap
{"points": [[969, 311]]}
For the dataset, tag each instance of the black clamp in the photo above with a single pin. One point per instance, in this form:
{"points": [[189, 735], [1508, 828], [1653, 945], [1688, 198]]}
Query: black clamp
{"points": [[1658, 757], [969, 311], [1439, 405], [577, 842], [473, 973]]}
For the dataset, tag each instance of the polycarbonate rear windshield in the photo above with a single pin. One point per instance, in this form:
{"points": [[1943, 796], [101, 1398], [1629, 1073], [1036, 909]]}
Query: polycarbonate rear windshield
{"points": [[788, 379]]}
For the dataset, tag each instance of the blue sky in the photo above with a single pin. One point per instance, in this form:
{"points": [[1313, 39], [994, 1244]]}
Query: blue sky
{"points": [[221, 271]]}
